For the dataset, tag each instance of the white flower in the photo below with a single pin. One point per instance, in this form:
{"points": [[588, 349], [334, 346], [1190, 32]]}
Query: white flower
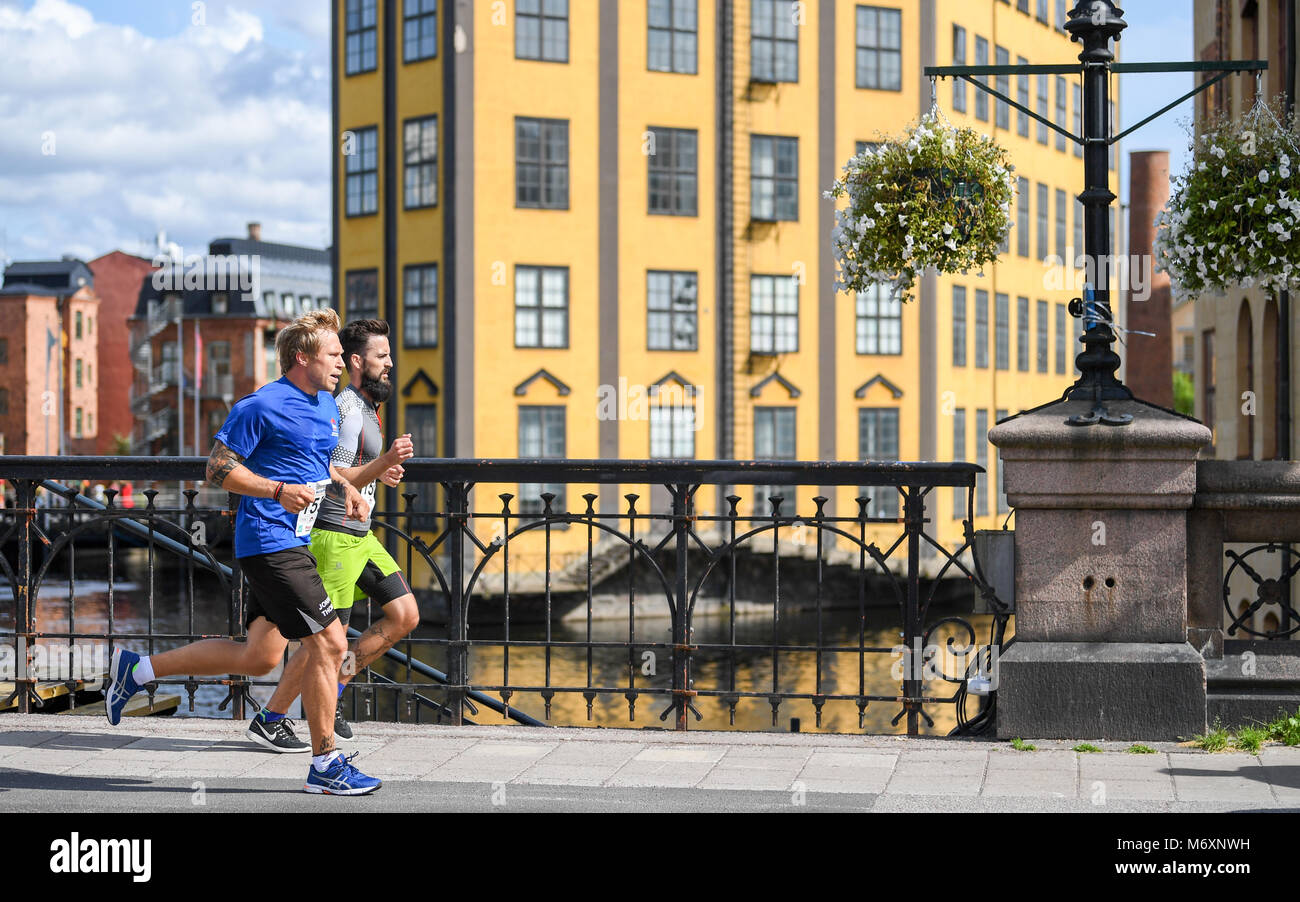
{"points": [[1225, 170], [1263, 176]]}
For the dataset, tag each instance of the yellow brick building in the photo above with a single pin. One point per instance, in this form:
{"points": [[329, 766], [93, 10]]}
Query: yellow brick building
{"points": [[545, 197]]}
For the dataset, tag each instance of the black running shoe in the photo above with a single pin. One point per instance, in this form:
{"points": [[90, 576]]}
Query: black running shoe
{"points": [[342, 729], [278, 736]]}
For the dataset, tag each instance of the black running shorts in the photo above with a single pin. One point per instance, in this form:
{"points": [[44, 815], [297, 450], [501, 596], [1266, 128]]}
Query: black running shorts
{"points": [[288, 592]]}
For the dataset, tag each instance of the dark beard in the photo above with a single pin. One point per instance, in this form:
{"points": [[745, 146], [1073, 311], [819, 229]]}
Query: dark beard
{"points": [[377, 389]]}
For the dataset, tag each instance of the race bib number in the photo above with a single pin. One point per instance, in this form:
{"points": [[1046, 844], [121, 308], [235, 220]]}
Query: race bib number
{"points": [[307, 518], [368, 493]]}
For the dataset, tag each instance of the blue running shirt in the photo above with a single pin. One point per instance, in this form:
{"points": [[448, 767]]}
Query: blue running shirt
{"points": [[285, 435]]}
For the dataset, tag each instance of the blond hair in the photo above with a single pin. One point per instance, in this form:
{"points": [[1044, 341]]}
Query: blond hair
{"points": [[302, 336]]}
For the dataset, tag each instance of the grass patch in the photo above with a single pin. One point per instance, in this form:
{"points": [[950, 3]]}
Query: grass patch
{"points": [[1085, 747], [1139, 749], [1214, 741], [1021, 746], [1249, 739], [1285, 728]]}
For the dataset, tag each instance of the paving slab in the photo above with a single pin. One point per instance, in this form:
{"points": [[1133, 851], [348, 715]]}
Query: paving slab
{"points": [[1224, 789], [660, 773], [12, 742], [566, 775], [833, 758], [1109, 790], [725, 778], [702, 755], [38, 759], [580, 752], [777, 752]]}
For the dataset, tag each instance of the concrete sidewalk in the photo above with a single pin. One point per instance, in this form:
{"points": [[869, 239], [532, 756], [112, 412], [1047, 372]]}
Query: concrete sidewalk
{"points": [[53, 763]]}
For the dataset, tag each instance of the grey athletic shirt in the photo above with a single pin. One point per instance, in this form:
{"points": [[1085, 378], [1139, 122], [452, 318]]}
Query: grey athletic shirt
{"points": [[361, 440]]}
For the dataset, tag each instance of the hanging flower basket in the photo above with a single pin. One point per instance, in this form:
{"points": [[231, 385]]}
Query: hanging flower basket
{"points": [[938, 197], [1233, 220]]}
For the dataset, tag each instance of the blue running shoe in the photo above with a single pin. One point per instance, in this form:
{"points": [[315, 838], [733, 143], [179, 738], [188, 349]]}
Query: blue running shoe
{"points": [[121, 684], [341, 779]]}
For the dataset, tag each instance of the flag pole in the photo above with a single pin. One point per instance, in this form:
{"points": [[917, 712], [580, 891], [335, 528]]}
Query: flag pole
{"points": [[198, 382]]}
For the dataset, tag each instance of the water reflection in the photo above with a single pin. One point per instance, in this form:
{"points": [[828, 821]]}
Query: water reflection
{"points": [[749, 666]]}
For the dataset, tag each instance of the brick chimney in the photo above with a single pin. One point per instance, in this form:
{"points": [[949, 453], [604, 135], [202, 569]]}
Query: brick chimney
{"points": [[254, 231], [1150, 372]]}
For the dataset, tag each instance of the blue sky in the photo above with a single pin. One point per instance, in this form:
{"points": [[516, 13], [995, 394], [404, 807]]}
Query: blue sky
{"points": [[1157, 33], [120, 118]]}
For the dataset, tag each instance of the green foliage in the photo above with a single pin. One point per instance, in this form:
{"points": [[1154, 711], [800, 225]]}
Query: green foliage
{"points": [[1184, 394], [1139, 749], [1086, 748], [1232, 214], [1249, 739], [1214, 741], [939, 196], [1285, 729], [1021, 746]]}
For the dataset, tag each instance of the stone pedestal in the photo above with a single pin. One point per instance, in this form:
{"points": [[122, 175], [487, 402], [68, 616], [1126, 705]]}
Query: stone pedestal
{"points": [[1101, 576]]}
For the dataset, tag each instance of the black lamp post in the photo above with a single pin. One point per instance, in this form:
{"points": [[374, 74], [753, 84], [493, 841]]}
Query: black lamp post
{"points": [[1095, 24]]}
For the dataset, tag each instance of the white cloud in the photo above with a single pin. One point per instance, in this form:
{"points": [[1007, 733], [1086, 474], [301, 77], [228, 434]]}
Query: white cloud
{"points": [[195, 133], [73, 20]]}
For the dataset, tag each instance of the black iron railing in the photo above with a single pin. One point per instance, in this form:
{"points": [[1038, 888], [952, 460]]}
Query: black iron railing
{"points": [[667, 554]]}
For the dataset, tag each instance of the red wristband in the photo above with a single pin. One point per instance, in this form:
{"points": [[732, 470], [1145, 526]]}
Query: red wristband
{"points": [[278, 489]]}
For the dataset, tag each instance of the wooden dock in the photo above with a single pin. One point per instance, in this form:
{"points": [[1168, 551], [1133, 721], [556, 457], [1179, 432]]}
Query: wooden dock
{"points": [[58, 698]]}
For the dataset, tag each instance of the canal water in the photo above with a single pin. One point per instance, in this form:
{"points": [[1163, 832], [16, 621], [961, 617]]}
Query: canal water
{"points": [[173, 606]]}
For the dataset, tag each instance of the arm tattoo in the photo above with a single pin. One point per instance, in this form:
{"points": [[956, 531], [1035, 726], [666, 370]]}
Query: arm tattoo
{"points": [[341, 483], [221, 463]]}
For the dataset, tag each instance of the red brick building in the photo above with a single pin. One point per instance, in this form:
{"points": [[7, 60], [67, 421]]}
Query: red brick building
{"points": [[118, 279], [237, 298], [49, 359]]}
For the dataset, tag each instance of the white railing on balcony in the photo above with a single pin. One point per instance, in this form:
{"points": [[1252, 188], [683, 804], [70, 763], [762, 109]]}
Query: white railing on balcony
{"points": [[164, 375], [156, 425]]}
